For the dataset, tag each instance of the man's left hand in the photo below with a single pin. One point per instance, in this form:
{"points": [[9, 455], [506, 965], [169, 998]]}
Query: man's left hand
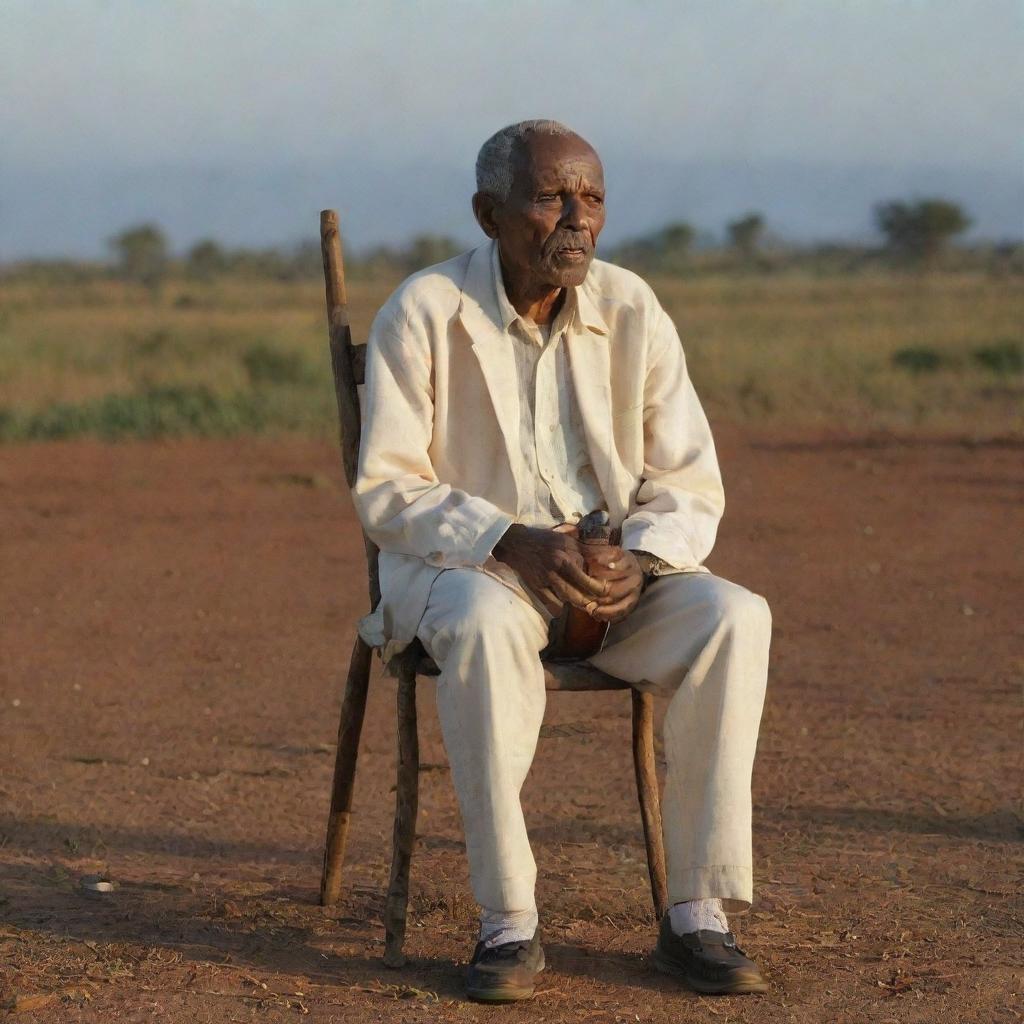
{"points": [[625, 579]]}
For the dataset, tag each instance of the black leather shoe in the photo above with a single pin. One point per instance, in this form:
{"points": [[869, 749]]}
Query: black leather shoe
{"points": [[709, 962], [504, 973]]}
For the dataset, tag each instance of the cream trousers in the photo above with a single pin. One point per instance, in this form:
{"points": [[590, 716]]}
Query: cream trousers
{"points": [[695, 638]]}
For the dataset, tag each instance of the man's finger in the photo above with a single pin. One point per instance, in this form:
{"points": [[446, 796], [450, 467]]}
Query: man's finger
{"points": [[566, 592], [575, 575], [614, 612], [621, 588], [550, 601]]}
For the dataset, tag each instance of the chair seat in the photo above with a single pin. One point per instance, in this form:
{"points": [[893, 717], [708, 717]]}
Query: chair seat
{"points": [[564, 676]]}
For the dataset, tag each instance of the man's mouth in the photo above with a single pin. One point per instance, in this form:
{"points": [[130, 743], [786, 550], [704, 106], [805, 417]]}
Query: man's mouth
{"points": [[571, 254]]}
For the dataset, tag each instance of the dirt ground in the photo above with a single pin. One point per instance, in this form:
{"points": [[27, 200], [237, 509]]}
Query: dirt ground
{"points": [[176, 620]]}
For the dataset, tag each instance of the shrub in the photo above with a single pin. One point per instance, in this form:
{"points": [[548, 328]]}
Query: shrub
{"points": [[1003, 357], [154, 412], [268, 365], [917, 359]]}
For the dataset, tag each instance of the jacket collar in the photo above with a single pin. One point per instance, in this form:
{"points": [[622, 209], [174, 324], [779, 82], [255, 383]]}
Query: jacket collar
{"points": [[485, 305]]}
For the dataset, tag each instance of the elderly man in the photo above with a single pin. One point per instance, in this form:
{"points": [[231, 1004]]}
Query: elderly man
{"points": [[510, 391]]}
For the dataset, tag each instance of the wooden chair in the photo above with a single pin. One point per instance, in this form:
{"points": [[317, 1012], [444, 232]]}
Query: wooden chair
{"points": [[348, 363]]}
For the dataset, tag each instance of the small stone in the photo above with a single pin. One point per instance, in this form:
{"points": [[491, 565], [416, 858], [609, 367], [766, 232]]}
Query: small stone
{"points": [[16, 703], [94, 884], [874, 568], [144, 762], [869, 531], [76, 687], [967, 610]]}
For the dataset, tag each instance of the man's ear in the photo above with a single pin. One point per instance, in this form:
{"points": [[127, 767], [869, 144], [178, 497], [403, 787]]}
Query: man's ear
{"points": [[484, 206]]}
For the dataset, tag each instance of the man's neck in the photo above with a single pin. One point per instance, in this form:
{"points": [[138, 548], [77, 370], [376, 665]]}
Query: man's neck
{"points": [[533, 301]]}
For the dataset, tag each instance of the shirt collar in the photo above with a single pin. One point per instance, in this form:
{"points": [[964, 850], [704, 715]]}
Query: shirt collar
{"points": [[578, 307]]}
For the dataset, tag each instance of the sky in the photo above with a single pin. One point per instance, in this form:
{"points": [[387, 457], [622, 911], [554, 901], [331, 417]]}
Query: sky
{"points": [[208, 112]]}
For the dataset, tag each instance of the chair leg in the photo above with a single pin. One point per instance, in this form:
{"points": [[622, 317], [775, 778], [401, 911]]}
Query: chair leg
{"points": [[350, 727], [650, 801], [406, 802]]}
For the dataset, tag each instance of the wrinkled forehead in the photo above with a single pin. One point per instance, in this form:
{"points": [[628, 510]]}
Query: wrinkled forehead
{"points": [[542, 159]]}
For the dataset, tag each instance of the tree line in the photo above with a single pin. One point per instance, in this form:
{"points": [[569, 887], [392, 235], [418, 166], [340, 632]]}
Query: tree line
{"points": [[915, 233]]}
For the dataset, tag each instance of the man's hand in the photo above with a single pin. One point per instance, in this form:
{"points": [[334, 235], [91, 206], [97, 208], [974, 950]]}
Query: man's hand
{"points": [[621, 570], [551, 563]]}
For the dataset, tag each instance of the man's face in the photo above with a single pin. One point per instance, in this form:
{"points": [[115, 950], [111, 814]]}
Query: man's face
{"points": [[547, 228]]}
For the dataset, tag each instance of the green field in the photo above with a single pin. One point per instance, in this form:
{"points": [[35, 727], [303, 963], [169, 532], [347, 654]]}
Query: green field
{"points": [[928, 352]]}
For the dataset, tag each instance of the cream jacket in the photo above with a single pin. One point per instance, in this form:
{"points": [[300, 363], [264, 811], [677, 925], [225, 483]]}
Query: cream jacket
{"points": [[440, 478]]}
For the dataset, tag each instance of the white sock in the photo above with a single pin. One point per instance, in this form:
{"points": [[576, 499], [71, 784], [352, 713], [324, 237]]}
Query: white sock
{"points": [[697, 916], [498, 926]]}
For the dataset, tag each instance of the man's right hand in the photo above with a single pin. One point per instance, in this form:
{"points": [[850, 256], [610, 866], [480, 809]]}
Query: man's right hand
{"points": [[551, 564]]}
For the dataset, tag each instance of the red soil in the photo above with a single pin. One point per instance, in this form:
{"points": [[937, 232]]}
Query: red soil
{"points": [[176, 624]]}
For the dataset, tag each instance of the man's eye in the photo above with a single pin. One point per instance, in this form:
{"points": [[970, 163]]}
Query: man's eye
{"points": [[596, 200]]}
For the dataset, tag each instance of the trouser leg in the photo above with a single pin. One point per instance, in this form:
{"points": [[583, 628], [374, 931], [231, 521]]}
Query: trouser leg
{"points": [[703, 642], [486, 640]]}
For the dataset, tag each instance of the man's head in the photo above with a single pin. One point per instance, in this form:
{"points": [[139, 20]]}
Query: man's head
{"points": [[540, 193]]}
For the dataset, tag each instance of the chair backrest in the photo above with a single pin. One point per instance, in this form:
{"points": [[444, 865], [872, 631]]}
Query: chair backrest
{"points": [[348, 365]]}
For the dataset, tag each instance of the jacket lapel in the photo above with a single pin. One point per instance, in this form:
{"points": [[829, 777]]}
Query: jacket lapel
{"points": [[590, 358], [590, 362], [491, 345]]}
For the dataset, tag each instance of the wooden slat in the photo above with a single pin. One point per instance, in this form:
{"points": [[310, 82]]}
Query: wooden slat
{"points": [[356, 686], [341, 341], [350, 727], [406, 802], [348, 364], [358, 359], [650, 799]]}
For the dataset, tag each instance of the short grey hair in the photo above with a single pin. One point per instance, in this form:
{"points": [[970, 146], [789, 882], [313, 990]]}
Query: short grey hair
{"points": [[494, 161]]}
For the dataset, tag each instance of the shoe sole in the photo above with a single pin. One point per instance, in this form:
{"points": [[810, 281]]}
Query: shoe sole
{"points": [[505, 994], [749, 987]]}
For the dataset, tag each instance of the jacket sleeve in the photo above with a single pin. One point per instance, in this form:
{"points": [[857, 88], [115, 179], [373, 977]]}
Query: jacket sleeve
{"points": [[402, 505], [677, 508]]}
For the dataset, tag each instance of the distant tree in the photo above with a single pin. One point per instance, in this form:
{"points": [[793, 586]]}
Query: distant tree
{"points": [[380, 263], [268, 263], [674, 242], [307, 262], [426, 250], [142, 255], [205, 260], [920, 230], [666, 251], [746, 233], [299, 262]]}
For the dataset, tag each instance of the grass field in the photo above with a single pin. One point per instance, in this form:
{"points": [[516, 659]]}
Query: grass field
{"points": [[940, 352]]}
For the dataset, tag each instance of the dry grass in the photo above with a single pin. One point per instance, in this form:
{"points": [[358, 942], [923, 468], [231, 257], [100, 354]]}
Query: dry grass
{"points": [[795, 349]]}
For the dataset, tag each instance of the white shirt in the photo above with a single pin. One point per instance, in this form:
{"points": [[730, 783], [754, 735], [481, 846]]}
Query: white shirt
{"points": [[551, 435]]}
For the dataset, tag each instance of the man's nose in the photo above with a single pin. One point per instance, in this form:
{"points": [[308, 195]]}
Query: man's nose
{"points": [[574, 214]]}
